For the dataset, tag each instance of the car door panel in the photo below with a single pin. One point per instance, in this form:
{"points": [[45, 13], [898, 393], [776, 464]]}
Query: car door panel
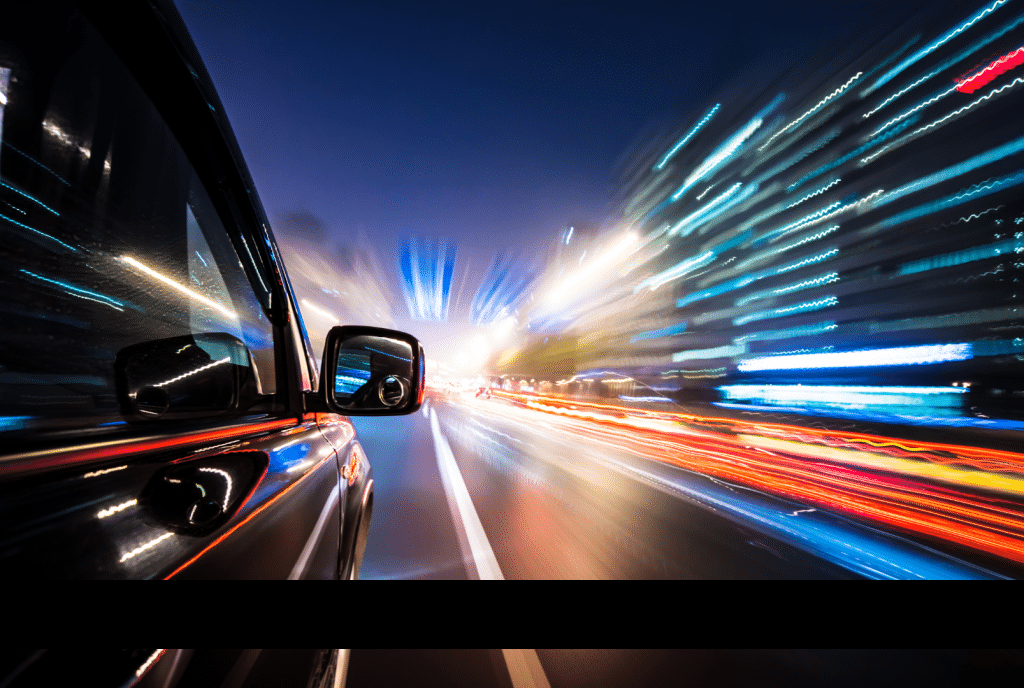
{"points": [[290, 527], [106, 520], [356, 477]]}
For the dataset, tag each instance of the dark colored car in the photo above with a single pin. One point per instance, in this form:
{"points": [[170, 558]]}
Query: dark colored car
{"points": [[479, 668], [162, 414], [139, 668]]}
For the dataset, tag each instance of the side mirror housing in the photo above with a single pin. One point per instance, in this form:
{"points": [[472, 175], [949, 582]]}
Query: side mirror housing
{"points": [[371, 371]]}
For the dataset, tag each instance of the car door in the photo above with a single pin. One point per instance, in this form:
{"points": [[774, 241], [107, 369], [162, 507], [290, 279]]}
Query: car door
{"points": [[152, 367]]}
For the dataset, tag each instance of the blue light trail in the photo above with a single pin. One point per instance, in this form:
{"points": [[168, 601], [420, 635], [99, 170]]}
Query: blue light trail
{"points": [[683, 141], [892, 73]]}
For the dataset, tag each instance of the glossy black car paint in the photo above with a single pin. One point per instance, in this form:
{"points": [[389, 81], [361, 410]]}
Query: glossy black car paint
{"points": [[149, 668], [281, 493]]}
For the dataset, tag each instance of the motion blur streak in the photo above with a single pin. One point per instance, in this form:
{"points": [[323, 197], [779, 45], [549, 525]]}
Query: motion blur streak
{"points": [[913, 355], [815, 193], [920, 106], [112, 450], [888, 76], [427, 268], [985, 76], [814, 109], [838, 246], [959, 494], [948, 62], [683, 141], [190, 293], [720, 156], [965, 108]]}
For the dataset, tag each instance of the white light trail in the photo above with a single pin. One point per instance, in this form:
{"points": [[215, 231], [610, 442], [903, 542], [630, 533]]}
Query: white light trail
{"points": [[898, 94], [908, 113], [677, 271], [814, 193], [888, 76], [810, 112], [807, 261], [224, 474], [711, 205], [110, 511], [93, 474], [148, 663], [183, 289], [193, 372], [897, 356], [143, 547], [719, 156], [965, 108]]}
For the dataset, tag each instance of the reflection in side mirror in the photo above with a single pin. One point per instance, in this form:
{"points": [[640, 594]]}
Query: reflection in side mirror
{"points": [[352, 374], [372, 371], [192, 376]]}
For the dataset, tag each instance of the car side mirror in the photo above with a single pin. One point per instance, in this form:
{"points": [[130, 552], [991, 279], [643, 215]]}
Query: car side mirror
{"points": [[371, 371]]}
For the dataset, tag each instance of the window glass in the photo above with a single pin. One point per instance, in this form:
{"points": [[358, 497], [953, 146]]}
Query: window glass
{"points": [[107, 237]]}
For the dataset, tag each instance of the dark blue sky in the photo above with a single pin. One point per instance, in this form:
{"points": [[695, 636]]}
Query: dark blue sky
{"points": [[493, 124]]}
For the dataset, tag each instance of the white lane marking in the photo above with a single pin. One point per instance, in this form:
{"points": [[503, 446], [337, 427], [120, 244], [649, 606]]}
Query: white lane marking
{"points": [[525, 670], [341, 669], [467, 522], [314, 537]]}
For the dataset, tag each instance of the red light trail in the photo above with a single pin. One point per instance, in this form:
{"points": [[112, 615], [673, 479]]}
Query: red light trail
{"points": [[989, 73], [969, 496]]}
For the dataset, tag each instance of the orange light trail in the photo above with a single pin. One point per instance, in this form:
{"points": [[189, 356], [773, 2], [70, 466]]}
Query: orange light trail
{"points": [[969, 496]]}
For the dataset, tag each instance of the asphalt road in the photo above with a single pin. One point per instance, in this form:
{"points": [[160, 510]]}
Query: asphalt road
{"points": [[471, 488], [719, 668]]}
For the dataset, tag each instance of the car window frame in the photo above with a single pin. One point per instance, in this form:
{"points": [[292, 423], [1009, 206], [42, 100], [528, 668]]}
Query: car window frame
{"points": [[165, 62]]}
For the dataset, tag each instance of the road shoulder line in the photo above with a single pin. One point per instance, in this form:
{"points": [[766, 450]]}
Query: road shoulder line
{"points": [[467, 522], [524, 669]]}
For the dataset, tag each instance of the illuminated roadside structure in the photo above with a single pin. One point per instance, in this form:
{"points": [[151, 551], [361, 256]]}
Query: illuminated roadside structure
{"points": [[848, 242]]}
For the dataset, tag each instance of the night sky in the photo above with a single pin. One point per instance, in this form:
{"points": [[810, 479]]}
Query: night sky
{"points": [[493, 125]]}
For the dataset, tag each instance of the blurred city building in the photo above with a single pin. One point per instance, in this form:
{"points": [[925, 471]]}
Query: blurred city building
{"points": [[845, 240]]}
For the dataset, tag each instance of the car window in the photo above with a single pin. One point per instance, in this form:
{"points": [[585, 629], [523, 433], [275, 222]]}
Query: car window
{"points": [[108, 238]]}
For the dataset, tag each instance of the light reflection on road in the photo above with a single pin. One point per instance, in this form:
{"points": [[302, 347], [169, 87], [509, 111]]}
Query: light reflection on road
{"points": [[965, 495], [574, 490]]}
